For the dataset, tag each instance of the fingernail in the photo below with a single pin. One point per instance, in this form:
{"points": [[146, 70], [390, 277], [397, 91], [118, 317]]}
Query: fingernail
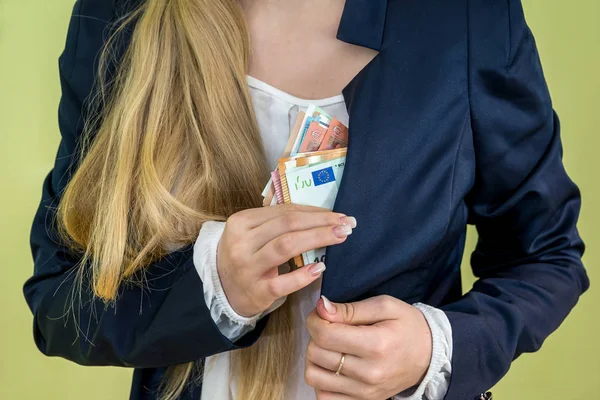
{"points": [[316, 269], [349, 221], [328, 306], [342, 231]]}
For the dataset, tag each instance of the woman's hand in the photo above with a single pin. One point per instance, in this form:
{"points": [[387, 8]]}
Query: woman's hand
{"points": [[256, 241], [387, 346]]}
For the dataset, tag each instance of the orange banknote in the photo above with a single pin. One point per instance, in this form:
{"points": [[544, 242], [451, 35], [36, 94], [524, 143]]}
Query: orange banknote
{"points": [[336, 136]]}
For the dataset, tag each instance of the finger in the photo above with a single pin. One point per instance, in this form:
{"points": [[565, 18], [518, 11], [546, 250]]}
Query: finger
{"points": [[291, 244], [325, 395], [295, 221], [323, 379], [354, 367], [365, 312], [361, 341], [285, 284], [253, 217]]}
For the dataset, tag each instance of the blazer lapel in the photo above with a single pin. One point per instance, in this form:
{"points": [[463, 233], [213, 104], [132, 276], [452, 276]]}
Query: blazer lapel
{"points": [[363, 22]]}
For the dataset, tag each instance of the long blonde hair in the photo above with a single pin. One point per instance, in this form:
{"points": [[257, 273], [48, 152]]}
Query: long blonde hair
{"points": [[177, 144]]}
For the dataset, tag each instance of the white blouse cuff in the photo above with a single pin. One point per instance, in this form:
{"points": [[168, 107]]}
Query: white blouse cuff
{"points": [[435, 384], [230, 323]]}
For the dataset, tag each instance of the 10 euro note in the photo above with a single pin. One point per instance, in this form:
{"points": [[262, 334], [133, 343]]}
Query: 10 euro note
{"points": [[301, 160], [315, 185]]}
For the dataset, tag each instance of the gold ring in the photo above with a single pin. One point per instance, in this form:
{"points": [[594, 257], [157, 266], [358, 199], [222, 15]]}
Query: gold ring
{"points": [[337, 373]]}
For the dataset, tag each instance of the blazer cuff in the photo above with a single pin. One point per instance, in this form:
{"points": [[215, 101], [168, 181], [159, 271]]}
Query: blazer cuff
{"points": [[231, 324], [435, 384]]}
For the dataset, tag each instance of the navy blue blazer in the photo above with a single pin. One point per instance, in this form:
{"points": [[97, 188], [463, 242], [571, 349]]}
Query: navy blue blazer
{"points": [[450, 124]]}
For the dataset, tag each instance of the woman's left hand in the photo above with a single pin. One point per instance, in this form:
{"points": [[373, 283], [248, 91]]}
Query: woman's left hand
{"points": [[386, 345]]}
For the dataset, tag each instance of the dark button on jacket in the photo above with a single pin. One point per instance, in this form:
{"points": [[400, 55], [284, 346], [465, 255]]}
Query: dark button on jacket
{"points": [[451, 124]]}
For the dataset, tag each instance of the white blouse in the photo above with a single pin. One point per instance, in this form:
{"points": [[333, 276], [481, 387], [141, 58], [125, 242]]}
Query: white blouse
{"points": [[276, 113]]}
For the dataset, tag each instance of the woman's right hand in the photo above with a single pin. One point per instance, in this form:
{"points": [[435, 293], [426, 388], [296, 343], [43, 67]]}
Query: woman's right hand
{"points": [[256, 241]]}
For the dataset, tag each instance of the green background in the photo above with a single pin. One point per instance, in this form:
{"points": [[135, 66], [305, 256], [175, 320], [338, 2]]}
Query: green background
{"points": [[32, 36]]}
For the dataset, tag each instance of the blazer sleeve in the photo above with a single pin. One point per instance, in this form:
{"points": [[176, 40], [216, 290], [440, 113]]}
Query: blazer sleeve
{"points": [[164, 323], [525, 207]]}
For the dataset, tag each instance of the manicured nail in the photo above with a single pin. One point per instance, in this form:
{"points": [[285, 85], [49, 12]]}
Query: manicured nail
{"points": [[328, 306], [349, 221], [342, 231], [316, 269]]}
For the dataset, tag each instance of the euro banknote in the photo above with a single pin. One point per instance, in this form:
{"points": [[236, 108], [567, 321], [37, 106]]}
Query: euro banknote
{"points": [[313, 113], [315, 185], [311, 168]]}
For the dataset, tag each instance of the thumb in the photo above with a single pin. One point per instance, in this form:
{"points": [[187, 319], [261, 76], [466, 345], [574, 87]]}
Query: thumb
{"points": [[365, 312]]}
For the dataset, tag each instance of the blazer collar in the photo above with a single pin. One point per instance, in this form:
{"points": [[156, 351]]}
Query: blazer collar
{"points": [[362, 23]]}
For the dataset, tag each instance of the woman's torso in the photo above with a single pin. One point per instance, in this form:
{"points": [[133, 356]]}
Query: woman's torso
{"points": [[410, 160]]}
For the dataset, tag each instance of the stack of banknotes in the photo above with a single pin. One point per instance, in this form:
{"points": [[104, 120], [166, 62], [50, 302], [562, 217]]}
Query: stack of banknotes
{"points": [[311, 167]]}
